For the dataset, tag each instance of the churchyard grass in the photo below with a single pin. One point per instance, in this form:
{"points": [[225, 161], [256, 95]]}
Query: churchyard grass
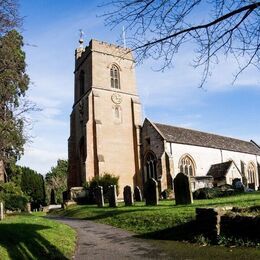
{"points": [[147, 220], [30, 236], [167, 225]]}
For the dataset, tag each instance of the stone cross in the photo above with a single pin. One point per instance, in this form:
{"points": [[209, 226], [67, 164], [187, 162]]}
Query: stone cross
{"points": [[128, 196], [1, 211], [112, 198], [99, 196], [182, 189], [151, 192], [137, 194]]}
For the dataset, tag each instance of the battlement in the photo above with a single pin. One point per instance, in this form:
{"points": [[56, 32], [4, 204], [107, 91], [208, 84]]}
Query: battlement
{"points": [[102, 47]]}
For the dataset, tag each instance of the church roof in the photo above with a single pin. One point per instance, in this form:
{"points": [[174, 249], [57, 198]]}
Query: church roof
{"points": [[180, 135], [219, 170]]}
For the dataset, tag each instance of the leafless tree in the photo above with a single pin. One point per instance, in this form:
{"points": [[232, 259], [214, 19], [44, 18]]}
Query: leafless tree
{"points": [[9, 18], [158, 28]]}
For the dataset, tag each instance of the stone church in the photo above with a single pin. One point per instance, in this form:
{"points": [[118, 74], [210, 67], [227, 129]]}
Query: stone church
{"points": [[107, 134]]}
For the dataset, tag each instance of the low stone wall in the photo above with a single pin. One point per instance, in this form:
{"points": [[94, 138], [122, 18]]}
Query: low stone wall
{"points": [[213, 222], [241, 226]]}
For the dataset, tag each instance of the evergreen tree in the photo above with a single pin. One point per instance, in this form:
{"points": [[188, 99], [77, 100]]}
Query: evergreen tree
{"points": [[13, 86], [32, 184]]}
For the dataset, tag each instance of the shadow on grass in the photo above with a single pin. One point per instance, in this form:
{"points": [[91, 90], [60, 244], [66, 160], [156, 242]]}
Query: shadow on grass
{"points": [[22, 241], [183, 232]]}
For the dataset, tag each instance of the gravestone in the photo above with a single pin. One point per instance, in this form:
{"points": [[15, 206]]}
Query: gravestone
{"points": [[112, 198], [182, 189], [28, 207], [128, 196], [137, 194], [151, 192], [1, 211], [99, 196]]}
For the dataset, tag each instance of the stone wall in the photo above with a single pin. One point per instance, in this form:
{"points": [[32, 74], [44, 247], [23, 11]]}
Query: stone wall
{"points": [[215, 222], [240, 226]]}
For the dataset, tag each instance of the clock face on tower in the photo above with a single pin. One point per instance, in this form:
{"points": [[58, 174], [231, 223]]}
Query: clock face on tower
{"points": [[116, 98]]}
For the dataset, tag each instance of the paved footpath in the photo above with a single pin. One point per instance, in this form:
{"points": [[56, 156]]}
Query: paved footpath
{"points": [[99, 241]]}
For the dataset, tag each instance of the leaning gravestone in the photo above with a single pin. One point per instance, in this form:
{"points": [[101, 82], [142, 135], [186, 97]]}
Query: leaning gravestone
{"points": [[137, 194], [1, 211], [182, 189], [151, 192], [128, 196], [99, 196], [112, 198]]}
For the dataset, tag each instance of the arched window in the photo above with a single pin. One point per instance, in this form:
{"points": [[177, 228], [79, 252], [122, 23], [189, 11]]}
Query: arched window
{"points": [[81, 83], [187, 165], [251, 172], [114, 77], [150, 165]]}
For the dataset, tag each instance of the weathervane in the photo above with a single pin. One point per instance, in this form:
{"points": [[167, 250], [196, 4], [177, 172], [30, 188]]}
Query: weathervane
{"points": [[81, 40]]}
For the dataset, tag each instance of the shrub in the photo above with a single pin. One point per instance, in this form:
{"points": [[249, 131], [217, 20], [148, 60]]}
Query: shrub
{"points": [[105, 181], [13, 197], [15, 202], [216, 192]]}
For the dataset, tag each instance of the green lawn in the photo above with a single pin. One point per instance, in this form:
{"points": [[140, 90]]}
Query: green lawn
{"points": [[167, 225], [147, 220], [30, 236]]}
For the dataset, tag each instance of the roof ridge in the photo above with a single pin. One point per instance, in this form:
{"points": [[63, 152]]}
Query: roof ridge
{"points": [[183, 135], [199, 131]]}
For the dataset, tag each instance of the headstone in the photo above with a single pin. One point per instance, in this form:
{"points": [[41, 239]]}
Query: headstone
{"points": [[28, 208], [151, 192], [137, 194], [99, 196], [1, 211], [182, 189], [112, 198], [128, 196]]}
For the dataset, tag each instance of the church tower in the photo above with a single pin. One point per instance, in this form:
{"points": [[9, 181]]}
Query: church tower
{"points": [[106, 118]]}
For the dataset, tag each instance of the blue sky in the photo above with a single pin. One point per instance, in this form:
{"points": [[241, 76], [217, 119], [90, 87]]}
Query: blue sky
{"points": [[171, 97]]}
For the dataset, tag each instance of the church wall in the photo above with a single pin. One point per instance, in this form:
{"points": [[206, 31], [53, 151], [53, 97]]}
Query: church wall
{"points": [[204, 157], [153, 141], [237, 157], [114, 137]]}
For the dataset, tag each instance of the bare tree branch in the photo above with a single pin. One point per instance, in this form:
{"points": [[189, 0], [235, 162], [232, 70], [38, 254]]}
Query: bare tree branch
{"points": [[158, 28]]}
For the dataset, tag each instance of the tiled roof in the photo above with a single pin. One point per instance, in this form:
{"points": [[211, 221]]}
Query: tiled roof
{"points": [[219, 170], [192, 137]]}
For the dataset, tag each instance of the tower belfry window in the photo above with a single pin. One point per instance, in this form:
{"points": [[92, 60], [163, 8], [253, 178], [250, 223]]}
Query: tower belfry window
{"points": [[114, 77]]}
